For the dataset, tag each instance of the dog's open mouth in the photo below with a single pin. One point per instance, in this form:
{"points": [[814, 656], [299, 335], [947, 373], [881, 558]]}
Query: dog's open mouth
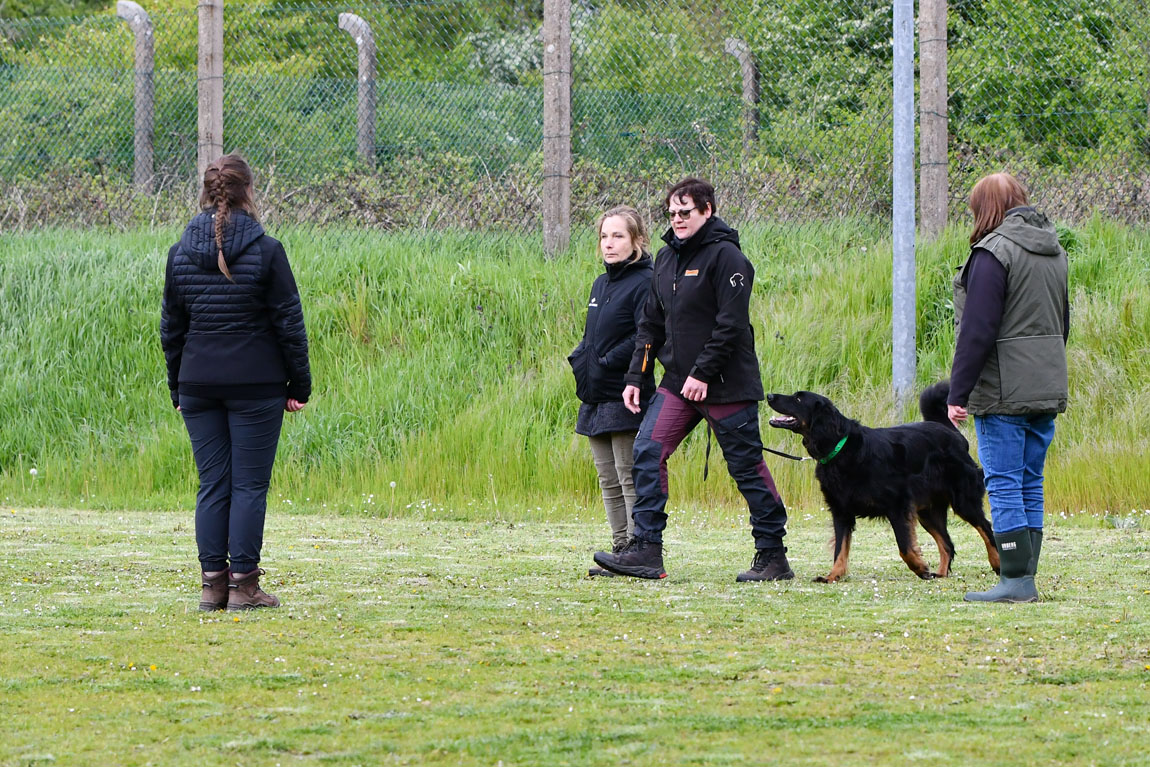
{"points": [[784, 422]]}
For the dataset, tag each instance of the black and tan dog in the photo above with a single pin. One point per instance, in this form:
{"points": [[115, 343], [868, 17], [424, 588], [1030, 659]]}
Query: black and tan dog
{"points": [[904, 473]]}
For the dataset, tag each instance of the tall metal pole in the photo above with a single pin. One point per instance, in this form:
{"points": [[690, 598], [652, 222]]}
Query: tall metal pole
{"points": [[361, 32], [903, 287], [145, 91]]}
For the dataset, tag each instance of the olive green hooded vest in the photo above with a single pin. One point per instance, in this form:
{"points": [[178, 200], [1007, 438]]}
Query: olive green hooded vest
{"points": [[1026, 371]]}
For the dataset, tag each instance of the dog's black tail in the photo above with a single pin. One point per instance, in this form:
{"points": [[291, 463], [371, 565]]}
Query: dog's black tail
{"points": [[932, 403]]}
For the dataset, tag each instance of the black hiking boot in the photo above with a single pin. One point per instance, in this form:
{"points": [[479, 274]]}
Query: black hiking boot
{"points": [[599, 572], [768, 565], [638, 559]]}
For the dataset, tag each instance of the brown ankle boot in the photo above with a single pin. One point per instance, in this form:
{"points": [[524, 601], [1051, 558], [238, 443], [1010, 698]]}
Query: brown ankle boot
{"points": [[244, 592], [215, 593]]}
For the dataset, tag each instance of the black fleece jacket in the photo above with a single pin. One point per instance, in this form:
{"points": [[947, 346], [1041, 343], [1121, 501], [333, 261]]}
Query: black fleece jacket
{"points": [[600, 360], [242, 338], [697, 317]]}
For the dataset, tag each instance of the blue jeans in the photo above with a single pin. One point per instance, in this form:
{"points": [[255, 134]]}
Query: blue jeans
{"points": [[234, 442], [1012, 450]]}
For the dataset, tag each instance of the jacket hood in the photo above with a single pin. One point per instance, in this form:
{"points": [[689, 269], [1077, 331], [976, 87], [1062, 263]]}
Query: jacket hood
{"points": [[1031, 230], [715, 230], [615, 271], [199, 239]]}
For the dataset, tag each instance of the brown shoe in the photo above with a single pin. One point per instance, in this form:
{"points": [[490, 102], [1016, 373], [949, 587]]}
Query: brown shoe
{"points": [[244, 592], [215, 593]]}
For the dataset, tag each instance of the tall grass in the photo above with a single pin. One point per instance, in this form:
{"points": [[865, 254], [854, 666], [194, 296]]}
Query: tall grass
{"points": [[440, 366]]}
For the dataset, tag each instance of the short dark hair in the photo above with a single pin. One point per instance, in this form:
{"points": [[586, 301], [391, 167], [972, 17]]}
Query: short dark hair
{"points": [[700, 192]]}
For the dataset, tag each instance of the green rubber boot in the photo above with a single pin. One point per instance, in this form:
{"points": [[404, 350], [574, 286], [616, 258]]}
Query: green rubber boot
{"points": [[1035, 549], [1016, 579]]}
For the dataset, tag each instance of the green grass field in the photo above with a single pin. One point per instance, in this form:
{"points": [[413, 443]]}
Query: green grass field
{"points": [[440, 366], [426, 642]]}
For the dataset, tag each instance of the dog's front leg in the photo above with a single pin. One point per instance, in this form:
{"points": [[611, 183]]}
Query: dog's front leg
{"points": [[843, 530]]}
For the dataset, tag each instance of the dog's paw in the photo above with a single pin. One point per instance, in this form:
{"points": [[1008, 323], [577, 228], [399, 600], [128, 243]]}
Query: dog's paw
{"points": [[825, 579]]}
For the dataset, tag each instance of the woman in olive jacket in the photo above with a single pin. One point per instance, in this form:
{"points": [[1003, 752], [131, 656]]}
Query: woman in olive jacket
{"points": [[233, 335], [1011, 302], [600, 361]]}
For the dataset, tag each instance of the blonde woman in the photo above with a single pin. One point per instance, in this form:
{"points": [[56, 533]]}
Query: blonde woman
{"points": [[601, 359]]}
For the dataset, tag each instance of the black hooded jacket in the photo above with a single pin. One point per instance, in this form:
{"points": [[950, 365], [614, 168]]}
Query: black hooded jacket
{"points": [[697, 318], [241, 340], [600, 360]]}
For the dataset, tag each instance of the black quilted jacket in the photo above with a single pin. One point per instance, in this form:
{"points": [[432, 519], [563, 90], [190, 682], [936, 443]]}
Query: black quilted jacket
{"points": [[241, 339]]}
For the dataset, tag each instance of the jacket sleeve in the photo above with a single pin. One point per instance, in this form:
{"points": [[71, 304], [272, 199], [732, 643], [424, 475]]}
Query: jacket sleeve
{"points": [[981, 319], [650, 335], [173, 330], [287, 319], [732, 280]]}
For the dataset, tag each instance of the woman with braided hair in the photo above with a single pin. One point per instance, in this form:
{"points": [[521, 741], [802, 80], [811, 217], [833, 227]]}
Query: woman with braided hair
{"points": [[233, 334]]}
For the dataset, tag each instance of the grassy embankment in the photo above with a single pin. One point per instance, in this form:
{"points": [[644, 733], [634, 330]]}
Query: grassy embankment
{"points": [[439, 363]]}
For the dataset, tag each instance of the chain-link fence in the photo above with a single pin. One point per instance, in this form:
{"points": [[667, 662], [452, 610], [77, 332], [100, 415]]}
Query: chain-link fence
{"points": [[785, 106]]}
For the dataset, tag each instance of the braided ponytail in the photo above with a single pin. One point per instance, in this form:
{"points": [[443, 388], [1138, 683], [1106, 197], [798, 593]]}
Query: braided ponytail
{"points": [[227, 186], [220, 222]]}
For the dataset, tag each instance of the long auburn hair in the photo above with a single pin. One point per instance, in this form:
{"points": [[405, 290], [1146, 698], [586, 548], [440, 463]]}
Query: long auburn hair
{"points": [[227, 187], [990, 198], [635, 227]]}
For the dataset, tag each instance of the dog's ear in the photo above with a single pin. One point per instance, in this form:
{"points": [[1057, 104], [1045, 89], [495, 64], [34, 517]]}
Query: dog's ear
{"points": [[823, 420]]}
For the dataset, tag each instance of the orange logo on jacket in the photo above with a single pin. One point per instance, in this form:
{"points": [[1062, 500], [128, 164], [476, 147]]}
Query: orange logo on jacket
{"points": [[691, 273]]}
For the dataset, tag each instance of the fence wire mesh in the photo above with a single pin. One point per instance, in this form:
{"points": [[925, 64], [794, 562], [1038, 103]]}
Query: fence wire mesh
{"points": [[784, 106]]}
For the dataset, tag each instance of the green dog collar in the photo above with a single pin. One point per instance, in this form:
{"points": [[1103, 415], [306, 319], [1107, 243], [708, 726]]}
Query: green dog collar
{"points": [[834, 452]]}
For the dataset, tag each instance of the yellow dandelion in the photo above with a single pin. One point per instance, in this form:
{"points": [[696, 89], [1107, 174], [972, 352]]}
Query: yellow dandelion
{"points": [[236, 619], [152, 667]]}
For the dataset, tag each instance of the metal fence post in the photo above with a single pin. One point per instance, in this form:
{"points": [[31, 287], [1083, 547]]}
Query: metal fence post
{"points": [[210, 84], [750, 70], [360, 31], [556, 126], [902, 224], [932, 125], [143, 169]]}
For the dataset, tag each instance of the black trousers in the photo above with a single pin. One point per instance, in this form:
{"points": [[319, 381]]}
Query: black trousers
{"points": [[669, 419], [234, 442]]}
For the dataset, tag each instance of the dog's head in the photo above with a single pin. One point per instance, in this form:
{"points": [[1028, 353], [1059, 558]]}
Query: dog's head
{"points": [[807, 414]]}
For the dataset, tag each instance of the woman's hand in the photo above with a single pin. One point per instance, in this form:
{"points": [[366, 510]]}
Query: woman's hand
{"points": [[631, 398], [956, 414], [694, 389], [294, 405]]}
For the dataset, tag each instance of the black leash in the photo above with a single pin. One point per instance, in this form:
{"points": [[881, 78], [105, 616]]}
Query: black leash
{"points": [[706, 413]]}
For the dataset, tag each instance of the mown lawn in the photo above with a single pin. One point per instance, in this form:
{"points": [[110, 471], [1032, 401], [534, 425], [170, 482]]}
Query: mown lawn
{"points": [[432, 642]]}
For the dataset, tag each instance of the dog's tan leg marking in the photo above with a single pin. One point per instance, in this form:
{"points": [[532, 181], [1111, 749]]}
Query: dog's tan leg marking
{"points": [[839, 568], [913, 556], [943, 555], [991, 551]]}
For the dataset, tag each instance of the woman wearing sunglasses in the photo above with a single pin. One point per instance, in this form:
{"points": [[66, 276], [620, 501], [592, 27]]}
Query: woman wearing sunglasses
{"points": [[696, 322]]}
